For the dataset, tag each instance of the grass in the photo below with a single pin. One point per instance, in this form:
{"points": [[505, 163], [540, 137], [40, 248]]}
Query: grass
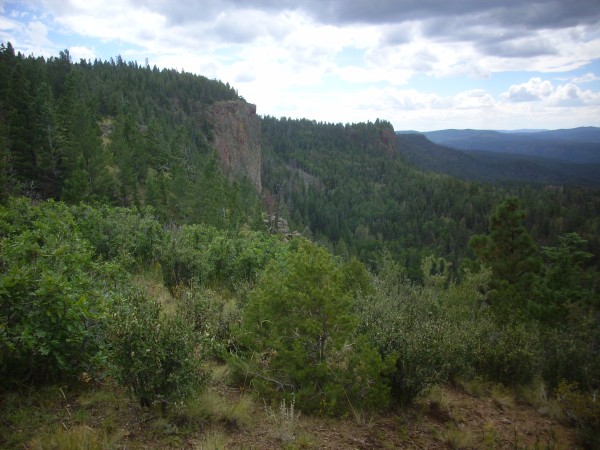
{"points": [[475, 387], [502, 397], [285, 420], [439, 407], [210, 407], [92, 416], [213, 440], [535, 394], [80, 437], [458, 438]]}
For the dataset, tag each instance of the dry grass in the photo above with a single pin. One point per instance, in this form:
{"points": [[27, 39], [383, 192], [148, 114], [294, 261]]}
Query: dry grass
{"points": [[211, 407], [458, 438], [75, 438], [502, 397], [213, 440], [475, 387], [285, 420]]}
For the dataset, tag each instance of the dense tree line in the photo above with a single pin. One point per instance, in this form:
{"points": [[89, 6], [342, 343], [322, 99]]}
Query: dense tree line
{"points": [[352, 189], [114, 132]]}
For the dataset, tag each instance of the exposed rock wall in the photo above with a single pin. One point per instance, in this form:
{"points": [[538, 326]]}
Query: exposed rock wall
{"points": [[237, 139]]}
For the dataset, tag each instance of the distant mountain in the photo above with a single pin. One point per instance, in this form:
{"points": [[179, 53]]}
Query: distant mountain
{"points": [[495, 167], [577, 145]]}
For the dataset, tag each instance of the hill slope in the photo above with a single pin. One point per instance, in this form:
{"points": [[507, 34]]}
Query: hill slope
{"points": [[579, 145], [495, 167]]}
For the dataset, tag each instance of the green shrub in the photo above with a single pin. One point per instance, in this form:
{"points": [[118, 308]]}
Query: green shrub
{"points": [[433, 330], [120, 233], [209, 256], [511, 355], [152, 355], [212, 317], [299, 333], [583, 409], [54, 297], [570, 352]]}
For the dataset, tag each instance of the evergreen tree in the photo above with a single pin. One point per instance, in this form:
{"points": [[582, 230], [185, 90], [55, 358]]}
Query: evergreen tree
{"points": [[300, 317], [512, 254]]}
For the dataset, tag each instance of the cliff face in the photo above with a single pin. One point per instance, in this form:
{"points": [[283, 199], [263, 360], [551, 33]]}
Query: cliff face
{"points": [[237, 139]]}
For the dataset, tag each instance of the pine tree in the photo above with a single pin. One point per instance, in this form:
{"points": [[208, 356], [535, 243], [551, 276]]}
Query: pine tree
{"points": [[512, 254]]}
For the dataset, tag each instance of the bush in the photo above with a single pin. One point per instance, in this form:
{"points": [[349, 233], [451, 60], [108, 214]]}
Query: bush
{"points": [[54, 297], [433, 330], [584, 412], [571, 352], [212, 317], [207, 256], [152, 355], [299, 333], [512, 354], [120, 233]]}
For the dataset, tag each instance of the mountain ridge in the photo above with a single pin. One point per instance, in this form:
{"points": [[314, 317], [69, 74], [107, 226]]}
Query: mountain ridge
{"points": [[576, 145]]}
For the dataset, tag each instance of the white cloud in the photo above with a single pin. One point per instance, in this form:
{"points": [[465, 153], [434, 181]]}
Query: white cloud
{"points": [[587, 78], [535, 89], [572, 95], [543, 92], [78, 52], [473, 99]]}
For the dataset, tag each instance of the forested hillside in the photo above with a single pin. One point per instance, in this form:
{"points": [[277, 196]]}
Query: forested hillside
{"points": [[117, 133], [578, 145], [148, 297], [355, 190], [498, 167]]}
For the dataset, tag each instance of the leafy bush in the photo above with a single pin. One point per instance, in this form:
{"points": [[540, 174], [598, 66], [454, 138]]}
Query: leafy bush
{"points": [[153, 355], [583, 410], [53, 295], [512, 354], [212, 317], [209, 256], [299, 332], [571, 352], [120, 233], [434, 331]]}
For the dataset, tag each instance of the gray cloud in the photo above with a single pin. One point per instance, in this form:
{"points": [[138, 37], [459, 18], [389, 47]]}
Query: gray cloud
{"points": [[533, 14], [474, 29], [520, 48], [505, 28]]}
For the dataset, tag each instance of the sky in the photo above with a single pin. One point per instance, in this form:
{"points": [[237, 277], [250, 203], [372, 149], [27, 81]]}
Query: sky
{"points": [[420, 64]]}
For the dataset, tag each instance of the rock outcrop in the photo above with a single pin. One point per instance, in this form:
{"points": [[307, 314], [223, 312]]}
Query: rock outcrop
{"points": [[237, 137]]}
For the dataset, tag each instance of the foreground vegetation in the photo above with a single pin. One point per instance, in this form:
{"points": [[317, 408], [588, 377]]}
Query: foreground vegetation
{"points": [[103, 295]]}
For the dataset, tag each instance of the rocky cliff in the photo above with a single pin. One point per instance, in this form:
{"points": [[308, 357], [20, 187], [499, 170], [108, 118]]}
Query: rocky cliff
{"points": [[237, 137]]}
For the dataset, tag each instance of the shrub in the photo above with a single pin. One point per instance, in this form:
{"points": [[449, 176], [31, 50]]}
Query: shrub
{"points": [[207, 256], [583, 410], [433, 330], [120, 233], [571, 352], [299, 332], [152, 355], [212, 317], [53, 295], [511, 355]]}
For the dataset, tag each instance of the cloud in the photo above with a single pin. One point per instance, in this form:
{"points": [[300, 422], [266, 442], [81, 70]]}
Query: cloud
{"points": [[78, 52], [535, 89], [587, 78], [538, 90], [473, 99], [572, 95]]}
